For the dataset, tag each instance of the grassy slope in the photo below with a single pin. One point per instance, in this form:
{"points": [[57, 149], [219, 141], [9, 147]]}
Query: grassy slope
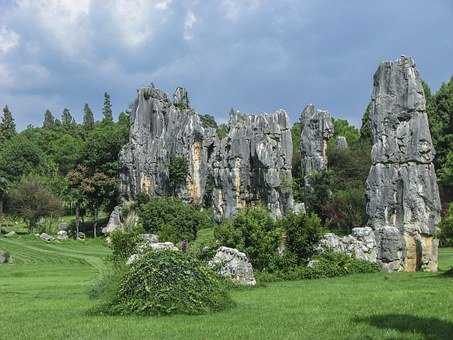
{"points": [[43, 296]]}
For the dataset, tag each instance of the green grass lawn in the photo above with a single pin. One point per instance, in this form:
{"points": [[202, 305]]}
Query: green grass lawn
{"points": [[44, 296]]}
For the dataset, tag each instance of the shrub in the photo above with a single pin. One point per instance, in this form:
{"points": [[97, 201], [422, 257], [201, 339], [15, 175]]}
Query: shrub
{"points": [[124, 243], [254, 232], [177, 172], [303, 232], [446, 228], [162, 283], [172, 219], [326, 265]]}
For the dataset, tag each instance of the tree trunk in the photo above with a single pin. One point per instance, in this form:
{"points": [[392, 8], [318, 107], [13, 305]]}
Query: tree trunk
{"points": [[77, 221], [95, 223]]}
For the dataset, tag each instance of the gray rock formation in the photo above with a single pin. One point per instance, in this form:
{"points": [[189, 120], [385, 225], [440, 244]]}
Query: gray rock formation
{"points": [[402, 195], [62, 235], [341, 143], [361, 244], [46, 237], [114, 221], [234, 265], [4, 256], [317, 129], [251, 164]]}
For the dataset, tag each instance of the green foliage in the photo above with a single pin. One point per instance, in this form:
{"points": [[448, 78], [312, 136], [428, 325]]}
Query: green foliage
{"points": [[31, 200], [319, 192], [303, 232], [65, 151], [208, 121], [325, 265], [178, 170], [346, 210], [20, 156], [163, 283], [107, 109], [49, 120], [343, 128], [446, 228], [88, 117], [254, 232], [7, 126], [222, 131], [172, 219], [365, 130], [67, 121], [124, 243]]}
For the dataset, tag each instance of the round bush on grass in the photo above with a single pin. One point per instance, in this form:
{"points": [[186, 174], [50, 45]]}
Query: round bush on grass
{"points": [[166, 282]]}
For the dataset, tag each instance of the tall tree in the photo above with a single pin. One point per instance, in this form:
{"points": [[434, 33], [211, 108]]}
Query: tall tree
{"points": [[7, 125], [365, 129], [107, 109], [66, 118], [88, 118], [49, 120]]}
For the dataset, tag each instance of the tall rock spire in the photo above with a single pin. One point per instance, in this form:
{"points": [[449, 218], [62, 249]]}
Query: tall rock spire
{"points": [[403, 202]]}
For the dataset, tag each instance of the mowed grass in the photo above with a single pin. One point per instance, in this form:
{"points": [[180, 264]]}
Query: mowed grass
{"points": [[44, 296]]}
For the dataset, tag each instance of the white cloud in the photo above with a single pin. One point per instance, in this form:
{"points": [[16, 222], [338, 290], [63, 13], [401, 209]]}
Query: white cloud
{"points": [[8, 40], [189, 22], [233, 9]]}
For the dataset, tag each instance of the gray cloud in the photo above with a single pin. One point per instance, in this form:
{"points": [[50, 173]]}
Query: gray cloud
{"points": [[253, 55]]}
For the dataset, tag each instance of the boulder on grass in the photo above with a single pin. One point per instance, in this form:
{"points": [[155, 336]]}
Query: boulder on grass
{"points": [[114, 221], [80, 236], [46, 237], [11, 234], [62, 235], [234, 265], [4, 256]]}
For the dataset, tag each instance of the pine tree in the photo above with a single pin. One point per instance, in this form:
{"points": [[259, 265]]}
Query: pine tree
{"points": [[107, 109], [66, 118], [365, 129], [7, 125], [88, 117], [49, 120]]}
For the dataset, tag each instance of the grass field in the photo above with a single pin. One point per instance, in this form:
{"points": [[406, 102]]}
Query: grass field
{"points": [[44, 296]]}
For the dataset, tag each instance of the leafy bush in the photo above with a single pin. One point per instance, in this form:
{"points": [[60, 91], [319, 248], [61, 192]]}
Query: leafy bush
{"points": [[328, 264], [172, 219], [446, 228], [254, 232], [303, 232], [177, 172], [124, 243], [162, 283]]}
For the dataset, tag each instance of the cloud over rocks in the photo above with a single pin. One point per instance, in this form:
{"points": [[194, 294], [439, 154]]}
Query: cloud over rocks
{"points": [[254, 55]]}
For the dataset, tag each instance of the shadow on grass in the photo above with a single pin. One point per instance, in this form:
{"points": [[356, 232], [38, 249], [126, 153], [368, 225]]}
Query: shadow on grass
{"points": [[430, 328]]}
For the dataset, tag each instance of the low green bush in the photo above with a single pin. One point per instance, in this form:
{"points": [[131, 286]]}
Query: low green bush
{"points": [[254, 232], [303, 232], [446, 228], [162, 283], [124, 243], [172, 219], [326, 265]]}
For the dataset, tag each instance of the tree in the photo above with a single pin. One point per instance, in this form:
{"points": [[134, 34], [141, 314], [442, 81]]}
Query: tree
{"points": [[177, 172], [49, 120], [31, 200], [66, 119], [365, 130], [75, 195], [3, 188], [343, 128], [7, 125], [88, 118], [107, 109], [208, 121]]}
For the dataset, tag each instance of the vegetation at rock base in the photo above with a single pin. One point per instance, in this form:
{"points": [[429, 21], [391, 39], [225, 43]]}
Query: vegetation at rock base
{"points": [[162, 283], [379, 305]]}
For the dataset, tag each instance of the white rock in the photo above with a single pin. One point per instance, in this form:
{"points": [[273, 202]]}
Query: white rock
{"points": [[233, 264]]}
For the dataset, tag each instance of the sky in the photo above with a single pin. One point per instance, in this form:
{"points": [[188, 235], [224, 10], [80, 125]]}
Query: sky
{"points": [[250, 55]]}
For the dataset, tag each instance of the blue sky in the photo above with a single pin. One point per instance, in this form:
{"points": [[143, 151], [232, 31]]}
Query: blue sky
{"points": [[253, 55]]}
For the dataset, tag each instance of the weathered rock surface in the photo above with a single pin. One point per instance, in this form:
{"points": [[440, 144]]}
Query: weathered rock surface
{"points": [[251, 164], [234, 265], [341, 143], [46, 237], [4, 256], [114, 221], [11, 234], [62, 235], [361, 244], [150, 242], [317, 129], [403, 202]]}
